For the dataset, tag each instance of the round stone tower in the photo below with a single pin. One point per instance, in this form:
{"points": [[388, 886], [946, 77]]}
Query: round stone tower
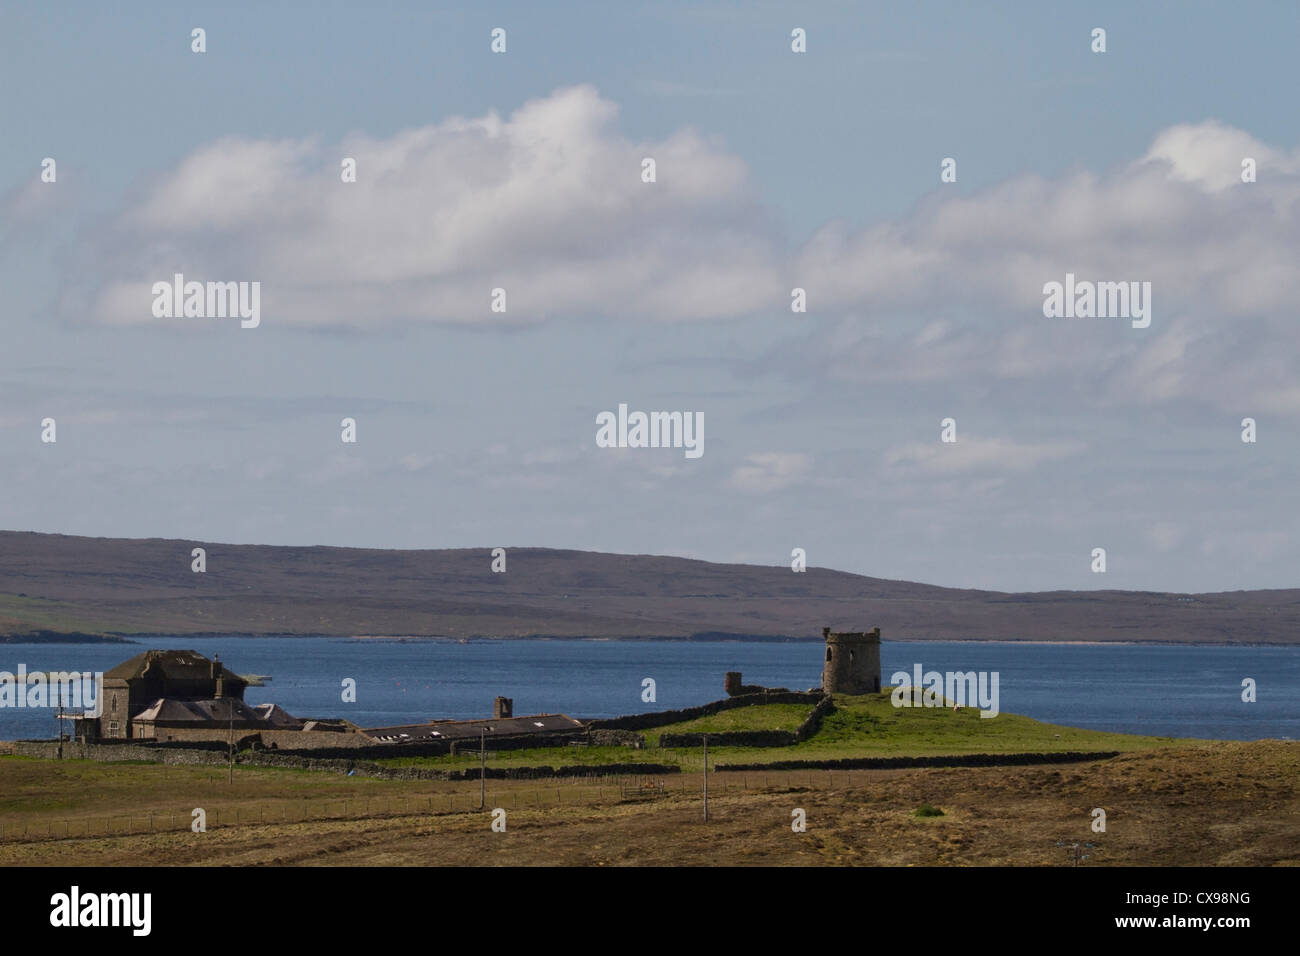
{"points": [[852, 662]]}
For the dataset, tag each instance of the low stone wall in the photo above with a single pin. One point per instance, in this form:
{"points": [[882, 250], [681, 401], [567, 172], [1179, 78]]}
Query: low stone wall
{"points": [[616, 738], [190, 753], [955, 760], [245, 737], [756, 738], [664, 717], [367, 769], [430, 748], [814, 722], [211, 751], [197, 754]]}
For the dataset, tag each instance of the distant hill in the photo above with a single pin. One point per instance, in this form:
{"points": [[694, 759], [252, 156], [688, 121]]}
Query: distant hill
{"points": [[52, 585]]}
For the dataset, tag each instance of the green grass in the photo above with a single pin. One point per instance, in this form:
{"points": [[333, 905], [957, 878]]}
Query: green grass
{"points": [[870, 726], [24, 614], [925, 810], [757, 717], [866, 726]]}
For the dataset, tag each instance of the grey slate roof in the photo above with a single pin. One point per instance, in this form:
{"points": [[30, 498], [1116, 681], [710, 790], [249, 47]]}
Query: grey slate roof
{"points": [[278, 717], [470, 729], [214, 711]]}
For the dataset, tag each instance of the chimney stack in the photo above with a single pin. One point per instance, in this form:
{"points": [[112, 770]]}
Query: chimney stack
{"points": [[503, 707]]}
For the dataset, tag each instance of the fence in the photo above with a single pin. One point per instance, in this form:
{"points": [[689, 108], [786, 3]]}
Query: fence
{"points": [[521, 795]]}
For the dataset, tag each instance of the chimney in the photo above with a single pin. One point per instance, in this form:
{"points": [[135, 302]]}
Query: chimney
{"points": [[503, 707]]}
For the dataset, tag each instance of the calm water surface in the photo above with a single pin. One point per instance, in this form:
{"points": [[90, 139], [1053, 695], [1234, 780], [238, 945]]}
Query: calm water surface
{"points": [[1181, 691]]}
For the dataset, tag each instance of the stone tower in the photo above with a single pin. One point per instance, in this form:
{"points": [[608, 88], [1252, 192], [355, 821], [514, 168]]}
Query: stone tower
{"points": [[852, 662]]}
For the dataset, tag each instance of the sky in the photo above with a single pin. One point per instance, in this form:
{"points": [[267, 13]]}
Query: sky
{"points": [[523, 170]]}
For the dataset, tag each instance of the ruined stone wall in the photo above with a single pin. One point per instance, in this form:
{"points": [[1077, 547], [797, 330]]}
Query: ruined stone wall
{"points": [[664, 717], [615, 738], [814, 722], [193, 753], [755, 738]]}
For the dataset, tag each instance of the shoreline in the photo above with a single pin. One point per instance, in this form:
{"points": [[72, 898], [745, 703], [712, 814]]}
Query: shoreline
{"points": [[48, 639]]}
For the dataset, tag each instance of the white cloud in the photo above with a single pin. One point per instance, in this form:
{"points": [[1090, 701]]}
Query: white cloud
{"points": [[547, 204], [954, 291], [770, 471], [978, 454]]}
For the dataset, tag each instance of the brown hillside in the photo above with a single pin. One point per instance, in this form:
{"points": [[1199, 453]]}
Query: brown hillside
{"points": [[65, 584]]}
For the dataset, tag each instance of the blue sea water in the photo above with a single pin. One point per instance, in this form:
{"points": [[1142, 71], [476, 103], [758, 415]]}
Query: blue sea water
{"points": [[1177, 691]]}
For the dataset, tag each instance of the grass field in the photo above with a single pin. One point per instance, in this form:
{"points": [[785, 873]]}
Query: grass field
{"points": [[1167, 802], [759, 717], [1213, 804], [866, 726]]}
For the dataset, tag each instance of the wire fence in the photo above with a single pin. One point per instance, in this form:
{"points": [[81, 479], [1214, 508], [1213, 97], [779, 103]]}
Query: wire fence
{"points": [[509, 795]]}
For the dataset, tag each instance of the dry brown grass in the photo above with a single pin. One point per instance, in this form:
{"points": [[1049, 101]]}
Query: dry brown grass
{"points": [[1226, 803]]}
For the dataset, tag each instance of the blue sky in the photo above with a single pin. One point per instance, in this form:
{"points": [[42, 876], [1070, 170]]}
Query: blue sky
{"points": [[775, 169]]}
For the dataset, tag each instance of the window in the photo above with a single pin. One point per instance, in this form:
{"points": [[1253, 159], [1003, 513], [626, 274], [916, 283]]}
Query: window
{"points": [[828, 655], [115, 703], [112, 725]]}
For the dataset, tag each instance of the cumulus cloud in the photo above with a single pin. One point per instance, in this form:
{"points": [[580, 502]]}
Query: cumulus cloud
{"points": [[955, 291], [1168, 218], [547, 204], [770, 471]]}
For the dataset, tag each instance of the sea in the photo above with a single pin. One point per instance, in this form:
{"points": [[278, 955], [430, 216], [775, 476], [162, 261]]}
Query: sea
{"points": [[1161, 690]]}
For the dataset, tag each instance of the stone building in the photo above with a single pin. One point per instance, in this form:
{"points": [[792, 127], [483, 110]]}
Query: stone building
{"points": [[182, 696], [852, 662], [169, 685]]}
